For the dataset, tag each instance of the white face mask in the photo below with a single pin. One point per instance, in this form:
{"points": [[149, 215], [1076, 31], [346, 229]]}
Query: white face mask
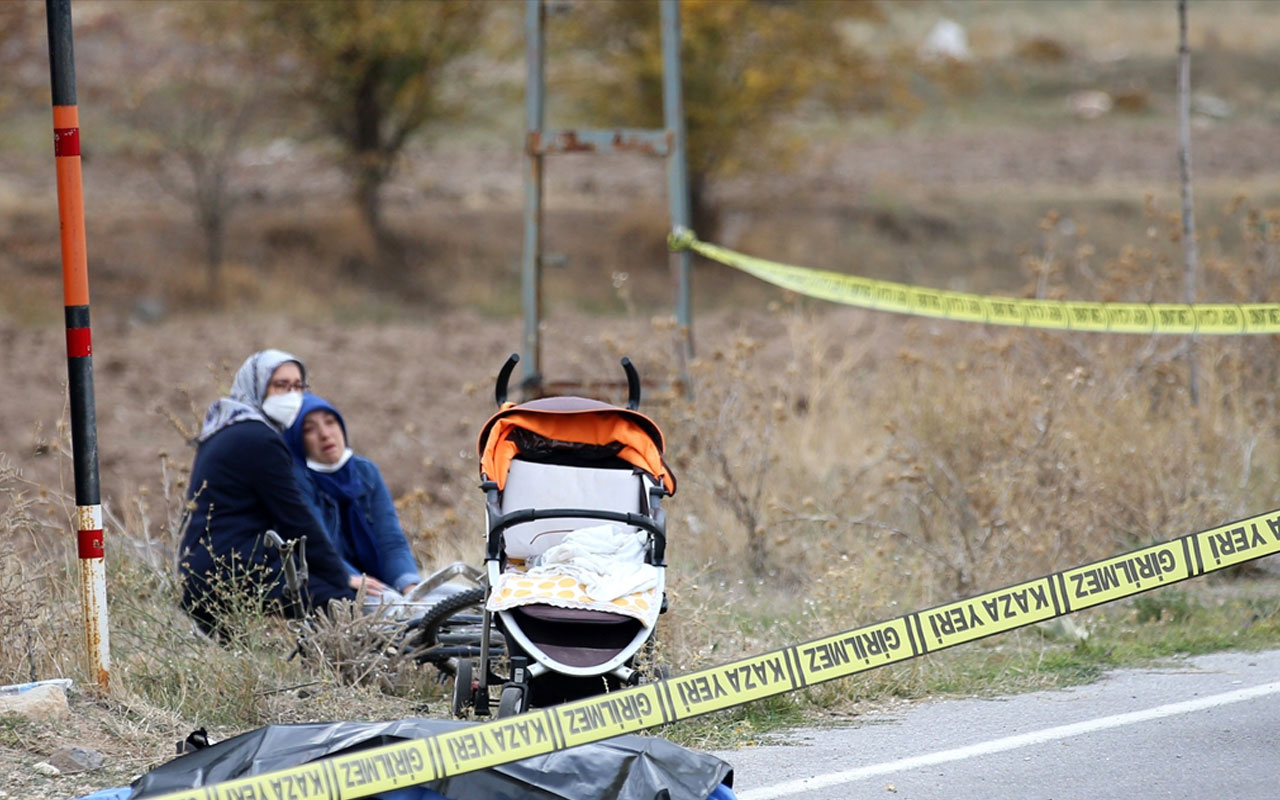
{"points": [[283, 408], [320, 466]]}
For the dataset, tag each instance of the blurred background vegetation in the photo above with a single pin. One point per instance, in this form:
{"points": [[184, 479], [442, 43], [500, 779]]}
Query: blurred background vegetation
{"points": [[343, 179], [374, 146]]}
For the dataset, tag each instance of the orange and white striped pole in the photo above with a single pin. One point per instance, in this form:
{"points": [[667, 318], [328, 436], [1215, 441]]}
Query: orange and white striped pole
{"points": [[75, 292]]}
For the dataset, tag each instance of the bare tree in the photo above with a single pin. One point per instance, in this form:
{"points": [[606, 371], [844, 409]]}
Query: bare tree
{"points": [[191, 106], [1191, 254], [194, 145]]}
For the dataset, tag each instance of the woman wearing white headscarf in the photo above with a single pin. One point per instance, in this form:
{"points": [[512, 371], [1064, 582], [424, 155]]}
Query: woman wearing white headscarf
{"points": [[242, 485]]}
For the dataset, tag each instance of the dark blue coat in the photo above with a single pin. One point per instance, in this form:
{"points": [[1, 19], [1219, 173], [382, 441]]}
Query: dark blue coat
{"points": [[242, 484]]}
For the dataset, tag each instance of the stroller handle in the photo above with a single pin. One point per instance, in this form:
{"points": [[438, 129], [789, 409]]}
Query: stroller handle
{"points": [[633, 384], [504, 375], [655, 526]]}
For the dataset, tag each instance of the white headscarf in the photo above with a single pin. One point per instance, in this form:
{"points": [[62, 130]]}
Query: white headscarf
{"points": [[247, 392]]}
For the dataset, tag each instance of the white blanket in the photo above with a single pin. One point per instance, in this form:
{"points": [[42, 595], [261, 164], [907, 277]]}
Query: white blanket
{"points": [[607, 560]]}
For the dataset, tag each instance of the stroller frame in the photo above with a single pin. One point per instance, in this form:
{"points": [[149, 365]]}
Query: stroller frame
{"points": [[502, 633]]}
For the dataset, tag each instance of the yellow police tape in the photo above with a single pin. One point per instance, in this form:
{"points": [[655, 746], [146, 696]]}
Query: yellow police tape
{"points": [[1149, 318], [534, 733]]}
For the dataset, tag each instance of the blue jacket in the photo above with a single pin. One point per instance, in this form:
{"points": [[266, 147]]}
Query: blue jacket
{"points": [[396, 566], [393, 563]]}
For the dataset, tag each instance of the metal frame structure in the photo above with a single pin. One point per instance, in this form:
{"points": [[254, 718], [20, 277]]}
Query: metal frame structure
{"points": [[668, 142]]}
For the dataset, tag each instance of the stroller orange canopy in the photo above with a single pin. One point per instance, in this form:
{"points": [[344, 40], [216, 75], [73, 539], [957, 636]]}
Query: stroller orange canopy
{"points": [[574, 420]]}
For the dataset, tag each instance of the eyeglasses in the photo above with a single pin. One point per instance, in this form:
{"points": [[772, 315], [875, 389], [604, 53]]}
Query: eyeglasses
{"points": [[289, 386]]}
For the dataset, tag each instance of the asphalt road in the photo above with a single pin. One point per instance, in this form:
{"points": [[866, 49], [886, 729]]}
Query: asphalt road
{"points": [[1199, 728]]}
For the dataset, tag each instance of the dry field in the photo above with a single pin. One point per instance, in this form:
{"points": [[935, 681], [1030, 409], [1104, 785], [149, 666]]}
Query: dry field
{"points": [[837, 466]]}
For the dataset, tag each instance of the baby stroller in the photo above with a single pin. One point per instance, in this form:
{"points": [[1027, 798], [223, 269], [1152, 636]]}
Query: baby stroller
{"points": [[575, 549]]}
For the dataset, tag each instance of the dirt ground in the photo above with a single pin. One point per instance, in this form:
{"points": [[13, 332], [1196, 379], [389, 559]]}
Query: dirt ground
{"points": [[415, 382], [416, 388], [414, 394]]}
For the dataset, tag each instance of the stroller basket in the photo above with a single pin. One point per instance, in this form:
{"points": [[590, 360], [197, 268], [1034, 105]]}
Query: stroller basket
{"points": [[560, 633]]}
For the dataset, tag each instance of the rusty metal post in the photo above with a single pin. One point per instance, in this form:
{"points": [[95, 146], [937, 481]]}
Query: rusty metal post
{"points": [[75, 292], [531, 260], [677, 181], [1190, 250], [668, 143]]}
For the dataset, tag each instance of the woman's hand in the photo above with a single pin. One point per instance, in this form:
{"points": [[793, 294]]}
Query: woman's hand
{"points": [[372, 586]]}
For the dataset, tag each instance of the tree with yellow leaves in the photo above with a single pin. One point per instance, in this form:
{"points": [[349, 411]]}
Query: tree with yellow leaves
{"points": [[747, 65], [372, 72]]}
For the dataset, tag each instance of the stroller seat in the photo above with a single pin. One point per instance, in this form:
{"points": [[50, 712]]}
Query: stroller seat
{"points": [[534, 485], [561, 564]]}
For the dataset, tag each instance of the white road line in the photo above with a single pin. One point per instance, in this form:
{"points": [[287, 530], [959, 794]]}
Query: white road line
{"points": [[790, 788]]}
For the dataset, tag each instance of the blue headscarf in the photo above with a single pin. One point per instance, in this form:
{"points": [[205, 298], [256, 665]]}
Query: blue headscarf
{"points": [[355, 540]]}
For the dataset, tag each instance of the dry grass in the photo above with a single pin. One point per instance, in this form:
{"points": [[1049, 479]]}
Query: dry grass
{"points": [[167, 679], [837, 467], [32, 630], [917, 469], [872, 464]]}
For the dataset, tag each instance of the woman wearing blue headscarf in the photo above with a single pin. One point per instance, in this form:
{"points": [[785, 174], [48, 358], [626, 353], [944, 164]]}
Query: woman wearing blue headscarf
{"points": [[243, 485], [348, 495]]}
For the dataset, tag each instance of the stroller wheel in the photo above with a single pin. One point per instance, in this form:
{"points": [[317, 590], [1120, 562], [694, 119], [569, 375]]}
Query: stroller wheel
{"points": [[436, 616], [444, 633], [463, 691], [513, 701], [659, 672]]}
